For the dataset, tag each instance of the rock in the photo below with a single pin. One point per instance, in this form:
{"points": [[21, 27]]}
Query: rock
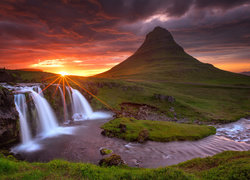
{"points": [[105, 151], [143, 136], [122, 127], [9, 129], [161, 97], [113, 160]]}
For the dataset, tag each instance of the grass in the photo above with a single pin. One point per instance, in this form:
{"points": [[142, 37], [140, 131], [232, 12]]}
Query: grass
{"points": [[226, 165], [196, 102], [158, 130], [60, 169]]}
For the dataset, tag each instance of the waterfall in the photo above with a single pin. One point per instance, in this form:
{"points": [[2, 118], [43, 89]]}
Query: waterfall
{"points": [[81, 107], [21, 107], [46, 115], [69, 89], [38, 90], [65, 109]]}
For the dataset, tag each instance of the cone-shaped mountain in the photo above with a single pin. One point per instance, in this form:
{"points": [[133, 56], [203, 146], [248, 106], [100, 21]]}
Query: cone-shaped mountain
{"points": [[161, 58]]}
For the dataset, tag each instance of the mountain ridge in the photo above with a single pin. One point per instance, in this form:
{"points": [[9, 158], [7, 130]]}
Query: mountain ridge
{"points": [[161, 58]]}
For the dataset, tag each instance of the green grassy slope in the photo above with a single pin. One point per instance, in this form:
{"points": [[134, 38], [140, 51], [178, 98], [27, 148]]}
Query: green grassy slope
{"points": [[227, 165], [196, 102], [160, 58]]}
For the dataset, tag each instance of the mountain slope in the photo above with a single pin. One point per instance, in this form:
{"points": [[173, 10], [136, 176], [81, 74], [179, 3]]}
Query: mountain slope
{"points": [[161, 58]]}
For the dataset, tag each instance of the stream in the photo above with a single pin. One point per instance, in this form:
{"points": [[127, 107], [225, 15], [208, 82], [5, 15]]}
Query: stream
{"points": [[85, 140]]}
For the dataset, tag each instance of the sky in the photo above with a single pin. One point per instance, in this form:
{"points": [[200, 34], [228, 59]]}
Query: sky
{"points": [[87, 37]]}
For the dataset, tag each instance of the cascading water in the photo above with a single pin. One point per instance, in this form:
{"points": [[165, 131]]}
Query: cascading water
{"points": [[46, 116], [69, 89], [63, 99], [81, 107], [21, 107], [40, 92]]}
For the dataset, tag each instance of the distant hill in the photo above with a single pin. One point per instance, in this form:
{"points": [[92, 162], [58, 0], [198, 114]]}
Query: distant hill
{"points": [[246, 73], [160, 58], [29, 69]]}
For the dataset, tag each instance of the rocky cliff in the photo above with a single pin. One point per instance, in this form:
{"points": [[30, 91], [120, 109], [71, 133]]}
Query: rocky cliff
{"points": [[9, 126]]}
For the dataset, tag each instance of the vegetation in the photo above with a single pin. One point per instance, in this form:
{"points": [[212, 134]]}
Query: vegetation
{"points": [[227, 165], [130, 129], [197, 102]]}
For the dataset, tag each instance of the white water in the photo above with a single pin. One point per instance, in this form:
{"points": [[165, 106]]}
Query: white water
{"points": [[69, 89], [46, 115], [237, 131], [21, 106], [46, 119], [81, 107], [40, 92], [64, 101]]}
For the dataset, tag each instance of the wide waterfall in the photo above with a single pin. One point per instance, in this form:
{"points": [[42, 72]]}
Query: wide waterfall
{"points": [[21, 107]]}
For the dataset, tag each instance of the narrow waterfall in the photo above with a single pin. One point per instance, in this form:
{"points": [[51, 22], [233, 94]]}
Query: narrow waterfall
{"points": [[21, 107], [69, 89], [81, 107], [46, 115], [40, 92], [65, 109]]}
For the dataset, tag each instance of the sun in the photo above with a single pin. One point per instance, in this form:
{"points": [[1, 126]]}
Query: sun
{"points": [[63, 73]]}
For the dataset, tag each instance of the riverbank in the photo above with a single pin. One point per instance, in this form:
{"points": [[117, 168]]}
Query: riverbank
{"points": [[227, 165]]}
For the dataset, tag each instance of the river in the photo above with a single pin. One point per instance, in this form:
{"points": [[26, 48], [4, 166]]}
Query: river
{"points": [[85, 141]]}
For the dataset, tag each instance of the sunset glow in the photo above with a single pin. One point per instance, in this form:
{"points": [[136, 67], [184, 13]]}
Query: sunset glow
{"points": [[89, 37], [63, 73]]}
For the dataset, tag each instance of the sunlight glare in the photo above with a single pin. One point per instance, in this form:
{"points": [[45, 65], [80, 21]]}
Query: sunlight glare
{"points": [[63, 73]]}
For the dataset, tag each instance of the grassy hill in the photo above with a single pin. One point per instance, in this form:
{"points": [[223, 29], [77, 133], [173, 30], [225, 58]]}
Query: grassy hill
{"points": [[161, 58]]}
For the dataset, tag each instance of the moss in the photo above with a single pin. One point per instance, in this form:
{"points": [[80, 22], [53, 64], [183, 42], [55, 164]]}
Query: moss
{"points": [[113, 160], [105, 151]]}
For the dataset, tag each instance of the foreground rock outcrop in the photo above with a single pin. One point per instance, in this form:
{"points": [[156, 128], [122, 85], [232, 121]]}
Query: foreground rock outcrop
{"points": [[9, 126], [113, 160]]}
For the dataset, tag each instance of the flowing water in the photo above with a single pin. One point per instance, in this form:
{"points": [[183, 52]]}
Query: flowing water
{"points": [[81, 107], [21, 106], [85, 144]]}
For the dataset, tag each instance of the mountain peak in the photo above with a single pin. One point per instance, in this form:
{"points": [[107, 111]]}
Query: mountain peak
{"points": [[160, 32], [160, 39]]}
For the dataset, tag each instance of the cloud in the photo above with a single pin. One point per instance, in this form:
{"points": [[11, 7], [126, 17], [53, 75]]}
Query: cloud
{"points": [[100, 30]]}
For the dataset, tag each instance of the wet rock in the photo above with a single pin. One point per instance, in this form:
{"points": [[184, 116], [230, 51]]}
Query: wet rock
{"points": [[105, 151], [113, 160], [9, 129], [143, 136]]}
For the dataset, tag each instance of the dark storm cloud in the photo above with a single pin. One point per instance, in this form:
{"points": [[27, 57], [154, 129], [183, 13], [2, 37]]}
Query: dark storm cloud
{"points": [[52, 28]]}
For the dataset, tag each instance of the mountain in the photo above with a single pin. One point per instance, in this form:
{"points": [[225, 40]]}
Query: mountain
{"points": [[161, 58], [246, 73]]}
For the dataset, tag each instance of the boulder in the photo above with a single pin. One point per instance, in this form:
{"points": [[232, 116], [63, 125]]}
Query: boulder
{"points": [[122, 127], [143, 136], [113, 160]]}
